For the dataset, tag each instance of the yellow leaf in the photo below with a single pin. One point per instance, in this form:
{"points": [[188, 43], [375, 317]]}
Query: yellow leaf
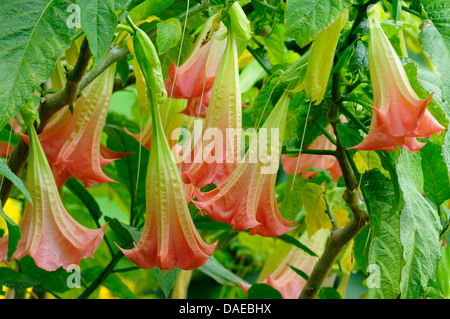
{"points": [[341, 216], [314, 203], [321, 59], [367, 160], [348, 260], [244, 59]]}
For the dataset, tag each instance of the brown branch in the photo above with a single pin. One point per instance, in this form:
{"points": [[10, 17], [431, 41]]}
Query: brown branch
{"points": [[50, 104], [341, 236]]}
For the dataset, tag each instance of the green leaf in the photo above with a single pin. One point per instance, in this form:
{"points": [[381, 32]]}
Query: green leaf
{"points": [[88, 200], [291, 240], [420, 228], [297, 119], [14, 280], [6, 171], [396, 9], [126, 235], [328, 293], [54, 281], [129, 167], [263, 291], [267, 98], [437, 51], [167, 279], [443, 272], [14, 233], [424, 83], [385, 250], [435, 173], [300, 272], [306, 18], [115, 284], [291, 204], [360, 57], [98, 20], [148, 8], [35, 34], [439, 12], [348, 136], [169, 34], [219, 273]]}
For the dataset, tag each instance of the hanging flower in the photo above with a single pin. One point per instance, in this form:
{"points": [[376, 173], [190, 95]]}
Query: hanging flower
{"points": [[49, 234], [194, 79], [246, 199], [212, 162], [399, 117], [169, 238], [171, 119], [284, 278], [326, 162], [72, 141]]}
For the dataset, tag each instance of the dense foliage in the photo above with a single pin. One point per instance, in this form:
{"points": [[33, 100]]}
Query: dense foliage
{"points": [[92, 92]]}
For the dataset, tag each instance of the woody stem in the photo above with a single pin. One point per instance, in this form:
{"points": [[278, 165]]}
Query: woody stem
{"points": [[340, 236]]}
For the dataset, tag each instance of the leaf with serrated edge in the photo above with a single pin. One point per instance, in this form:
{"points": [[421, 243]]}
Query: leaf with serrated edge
{"points": [[34, 34]]}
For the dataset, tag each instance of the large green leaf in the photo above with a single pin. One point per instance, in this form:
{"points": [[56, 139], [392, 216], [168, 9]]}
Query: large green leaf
{"points": [[435, 48], [425, 83], [306, 18], [98, 21], [419, 228], [439, 12], [435, 173], [14, 280], [34, 34], [219, 273], [385, 250]]}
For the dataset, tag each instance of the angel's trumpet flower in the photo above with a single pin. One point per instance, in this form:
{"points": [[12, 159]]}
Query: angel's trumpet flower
{"points": [[326, 162], [213, 162], [284, 278], [171, 119], [72, 141], [399, 116], [246, 199], [49, 234], [194, 79], [169, 238]]}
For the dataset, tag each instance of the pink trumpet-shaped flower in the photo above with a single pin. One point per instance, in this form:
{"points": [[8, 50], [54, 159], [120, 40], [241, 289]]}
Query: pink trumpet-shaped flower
{"points": [[171, 119], [326, 162], [399, 116], [284, 278], [213, 162], [169, 238], [72, 142], [49, 234], [246, 199], [194, 79]]}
